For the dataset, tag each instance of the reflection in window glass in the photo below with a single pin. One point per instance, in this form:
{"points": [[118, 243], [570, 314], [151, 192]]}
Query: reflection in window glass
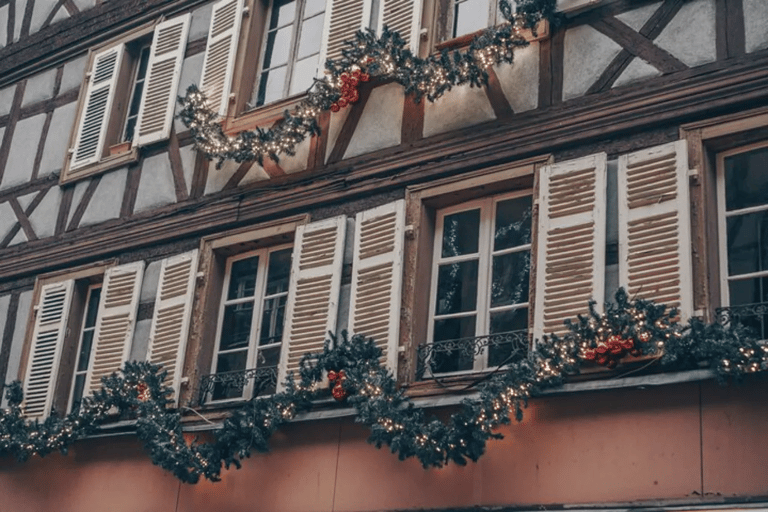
{"points": [[87, 330]]}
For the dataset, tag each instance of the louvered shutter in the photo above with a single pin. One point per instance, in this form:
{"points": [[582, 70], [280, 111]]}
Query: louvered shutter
{"points": [[404, 16], [571, 241], [45, 354], [94, 118], [115, 323], [170, 323], [654, 226], [377, 275], [313, 293], [220, 52], [344, 18], [162, 83]]}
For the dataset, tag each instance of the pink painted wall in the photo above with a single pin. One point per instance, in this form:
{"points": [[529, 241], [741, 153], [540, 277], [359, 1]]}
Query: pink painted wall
{"points": [[579, 448]]}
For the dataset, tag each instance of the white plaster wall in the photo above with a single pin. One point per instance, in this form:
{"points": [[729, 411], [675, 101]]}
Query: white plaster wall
{"points": [[156, 187], [20, 238], [690, 36], [39, 87], [188, 158], [637, 70], [201, 20], [381, 123], [84, 4], [41, 11], [140, 340], [458, 108], [520, 81], [21, 6], [5, 300], [43, 219], [191, 71], [74, 74], [106, 202], [255, 173], [587, 53], [19, 332], [756, 24], [77, 196], [7, 219], [636, 18], [297, 162], [150, 281], [3, 25], [217, 178], [26, 200], [334, 128], [57, 141], [6, 98], [21, 158]]}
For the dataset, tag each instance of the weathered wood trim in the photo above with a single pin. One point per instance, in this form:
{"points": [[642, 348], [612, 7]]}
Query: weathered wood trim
{"points": [[71, 8], [272, 168], [177, 167], [80, 210], [6, 338], [239, 174], [64, 208], [52, 14], [729, 27], [496, 96], [41, 146], [651, 29], [11, 25], [199, 176], [639, 45], [132, 182], [350, 124], [22, 219], [557, 57], [26, 188], [195, 47], [413, 120], [318, 145], [13, 118], [27, 21], [49, 105], [545, 73]]}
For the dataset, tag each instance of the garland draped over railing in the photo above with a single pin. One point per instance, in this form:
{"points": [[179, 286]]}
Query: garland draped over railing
{"points": [[384, 57], [394, 421]]}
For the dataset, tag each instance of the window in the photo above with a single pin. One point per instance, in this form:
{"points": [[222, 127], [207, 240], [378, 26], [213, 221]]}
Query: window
{"points": [[87, 331], [481, 268], [128, 98], [456, 18], [291, 50], [251, 320], [743, 205]]}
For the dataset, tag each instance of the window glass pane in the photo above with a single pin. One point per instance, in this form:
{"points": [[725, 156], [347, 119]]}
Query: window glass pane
{"points": [[236, 327], [229, 363], [510, 279], [77, 394], [279, 271], [313, 7], [268, 357], [470, 16], [272, 320], [747, 243], [746, 179], [304, 72], [750, 291], [460, 233], [271, 85], [85, 351], [283, 13], [278, 47], [451, 357], [504, 350], [513, 223], [311, 37], [456, 287], [93, 308], [242, 281]]}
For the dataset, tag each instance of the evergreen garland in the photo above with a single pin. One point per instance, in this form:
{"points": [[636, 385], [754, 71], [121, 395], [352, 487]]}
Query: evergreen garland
{"points": [[394, 421], [369, 56]]}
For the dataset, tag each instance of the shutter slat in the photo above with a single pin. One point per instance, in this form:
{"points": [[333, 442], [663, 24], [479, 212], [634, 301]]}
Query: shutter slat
{"points": [[115, 323], [404, 16], [377, 274], [220, 52], [571, 241], [45, 353], [313, 293], [342, 19], [173, 310], [654, 226]]}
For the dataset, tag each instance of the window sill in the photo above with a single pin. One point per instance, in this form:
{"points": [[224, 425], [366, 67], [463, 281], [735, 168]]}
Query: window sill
{"points": [[107, 163], [542, 32], [265, 115]]}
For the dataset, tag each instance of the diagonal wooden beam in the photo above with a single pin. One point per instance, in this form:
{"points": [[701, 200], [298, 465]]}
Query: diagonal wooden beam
{"points": [[651, 29], [77, 216], [177, 167], [350, 124], [729, 25], [23, 220], [496, 96], [238, 176]]}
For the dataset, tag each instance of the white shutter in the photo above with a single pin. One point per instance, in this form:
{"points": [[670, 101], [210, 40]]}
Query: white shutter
{"points": [[313, 293], [377, 275], [45, 354], [170, 323], [99, 96], [162, 83], [115, 323], [571, 241], [654, 226], [404, 16], [223, 37], [342, 20]]}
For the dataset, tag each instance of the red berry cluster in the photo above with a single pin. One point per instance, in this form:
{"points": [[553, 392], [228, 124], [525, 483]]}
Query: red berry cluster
{"points": [[142, 391], [610, 351], [349, 92], [336, 379]]}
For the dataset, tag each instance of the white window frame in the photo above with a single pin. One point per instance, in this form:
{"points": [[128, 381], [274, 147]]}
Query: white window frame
{"points": [[722, 216], [259, 297], [484, 256]]}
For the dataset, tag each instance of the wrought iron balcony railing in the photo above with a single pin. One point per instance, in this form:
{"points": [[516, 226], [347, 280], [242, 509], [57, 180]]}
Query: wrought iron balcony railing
{"points": [[229, 385], [753, 316], [441, 357]]}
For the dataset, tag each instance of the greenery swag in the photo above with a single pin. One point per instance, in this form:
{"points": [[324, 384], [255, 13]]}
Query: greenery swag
{"points": [[139, 392]]}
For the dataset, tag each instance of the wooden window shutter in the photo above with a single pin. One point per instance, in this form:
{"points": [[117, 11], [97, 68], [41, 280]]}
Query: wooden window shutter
{"points": [[89, 143], [115, 323], [220, 52], [313, 293], [571, 241], [170, 323], [163, 71], [404, 16], [342, 20], [45, 354], [654, 226], [377, 275]]}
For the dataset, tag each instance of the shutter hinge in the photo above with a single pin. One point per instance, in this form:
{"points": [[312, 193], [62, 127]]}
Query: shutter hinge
{"points": [[410, 232], [424, 33], [200, 275], [401, 349], [184, 380], [246, 11], [693, 175]]}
